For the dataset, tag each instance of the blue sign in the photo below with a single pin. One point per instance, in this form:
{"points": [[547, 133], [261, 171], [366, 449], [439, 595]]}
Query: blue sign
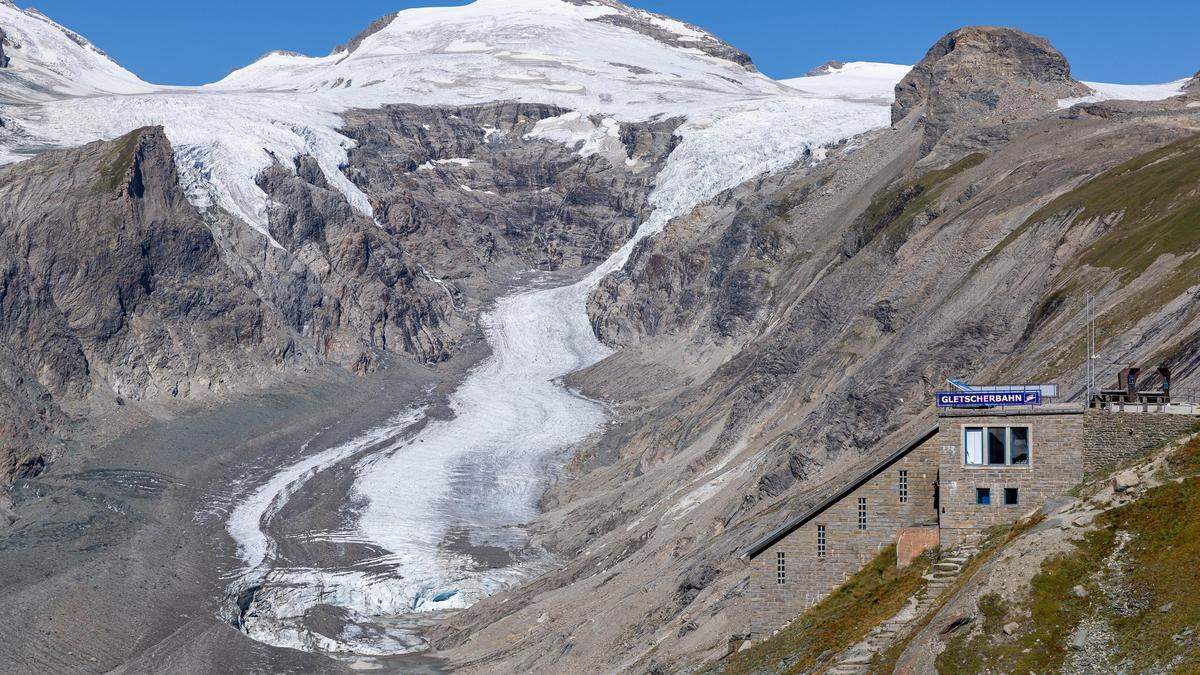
{"points": [[987, 399]]}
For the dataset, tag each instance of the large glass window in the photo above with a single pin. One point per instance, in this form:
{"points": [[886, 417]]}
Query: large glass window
{"points": [[996, 444], [1019, 445]]}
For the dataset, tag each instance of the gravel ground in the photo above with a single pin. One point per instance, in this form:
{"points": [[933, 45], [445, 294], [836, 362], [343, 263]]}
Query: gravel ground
{"points": [[118, 558]]}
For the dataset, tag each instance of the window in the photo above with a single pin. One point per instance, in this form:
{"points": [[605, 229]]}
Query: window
{"points": [[996, 453], [780, 568], [862, 513], [1020, 445], [996, 446], [903, 486], [1011, 497], [983, 496], [820, 541], [974, 445]]}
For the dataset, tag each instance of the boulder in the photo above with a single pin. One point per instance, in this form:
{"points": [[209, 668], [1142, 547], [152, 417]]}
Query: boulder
{"points": [[1011, 627], [1126, 480], [1080, 592]]}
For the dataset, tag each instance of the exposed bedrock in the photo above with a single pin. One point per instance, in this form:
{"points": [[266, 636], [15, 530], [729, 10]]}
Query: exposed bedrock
{"points": [[487, 191], [113, 286], [981, 76]]}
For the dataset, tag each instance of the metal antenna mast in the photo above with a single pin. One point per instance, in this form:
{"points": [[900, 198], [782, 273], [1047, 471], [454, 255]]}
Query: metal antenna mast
{"points": [[1091, 347]]}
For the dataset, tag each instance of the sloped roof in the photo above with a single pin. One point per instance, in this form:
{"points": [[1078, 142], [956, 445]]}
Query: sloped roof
{"points": [[792, 525]]}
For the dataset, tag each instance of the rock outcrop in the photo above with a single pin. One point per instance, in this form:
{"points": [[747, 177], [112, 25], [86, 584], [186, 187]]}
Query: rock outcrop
{"points": [[113, 290], [984, 75], [112, 279], [495, 189], [1193, 84]]}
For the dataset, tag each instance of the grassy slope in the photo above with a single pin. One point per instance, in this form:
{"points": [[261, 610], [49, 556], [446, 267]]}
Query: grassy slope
{"points": [[871, 596], [893, 210], [1161, 570]]}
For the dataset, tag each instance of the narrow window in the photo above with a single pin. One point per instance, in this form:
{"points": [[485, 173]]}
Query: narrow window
{"points": [[995, 448], [1020, 445], [780, 568], [973, 445], [903, 486], [862, 513], [1011, 497], [820, 541], [983, 496]]}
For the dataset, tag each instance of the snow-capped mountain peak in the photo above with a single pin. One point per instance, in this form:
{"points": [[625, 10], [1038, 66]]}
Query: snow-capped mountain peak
{"points": [[45, 60], [599, 58]]}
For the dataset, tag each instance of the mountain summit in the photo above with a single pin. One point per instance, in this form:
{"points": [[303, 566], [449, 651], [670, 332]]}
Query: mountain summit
{"points": [[984, 74]]}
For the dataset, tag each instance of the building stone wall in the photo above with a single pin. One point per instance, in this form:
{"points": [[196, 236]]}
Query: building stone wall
{"points": [[1067, 443], [1110, 438], [810, 578], [1055, 466]]}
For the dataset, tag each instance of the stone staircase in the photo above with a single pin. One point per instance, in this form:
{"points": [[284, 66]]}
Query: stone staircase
{"points": [[941, 576]]}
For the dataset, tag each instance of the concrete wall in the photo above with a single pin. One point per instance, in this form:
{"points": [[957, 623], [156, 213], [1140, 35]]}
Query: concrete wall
{"points": [[810, 578], [1110, 438], [1055, 466]]}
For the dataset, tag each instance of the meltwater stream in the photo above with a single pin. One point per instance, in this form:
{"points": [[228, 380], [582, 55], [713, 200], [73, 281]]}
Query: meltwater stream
{"points": [[440, 499]]}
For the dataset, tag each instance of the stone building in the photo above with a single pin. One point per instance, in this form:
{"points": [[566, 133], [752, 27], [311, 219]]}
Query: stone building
{"points": [[976, 468]]}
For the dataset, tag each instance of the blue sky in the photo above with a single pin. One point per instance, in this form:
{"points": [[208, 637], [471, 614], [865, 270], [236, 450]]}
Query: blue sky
{"points": [[192, 42]]}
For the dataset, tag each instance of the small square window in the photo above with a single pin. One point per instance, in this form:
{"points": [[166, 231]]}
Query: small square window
{"points": [[1011, 497], [983, 496]]}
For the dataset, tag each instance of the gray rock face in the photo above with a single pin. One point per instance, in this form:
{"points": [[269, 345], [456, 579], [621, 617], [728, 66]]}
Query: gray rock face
{"points": [[5, 59], [469, 193], [652, 25], [1194, 83], [112, 285], [111, 278], [346, 285], [982, 75], [825, 68]]}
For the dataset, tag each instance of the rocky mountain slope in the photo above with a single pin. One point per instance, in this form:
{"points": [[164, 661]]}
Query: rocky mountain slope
{"points": [[820, 308], [809, 274]]}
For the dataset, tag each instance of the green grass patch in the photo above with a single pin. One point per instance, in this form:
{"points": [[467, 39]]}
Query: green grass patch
{"points": [[112, 174], [892, 211], [872, 595], [1039, 645], [1164, 567], [1159, 195], [994, 539]]}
